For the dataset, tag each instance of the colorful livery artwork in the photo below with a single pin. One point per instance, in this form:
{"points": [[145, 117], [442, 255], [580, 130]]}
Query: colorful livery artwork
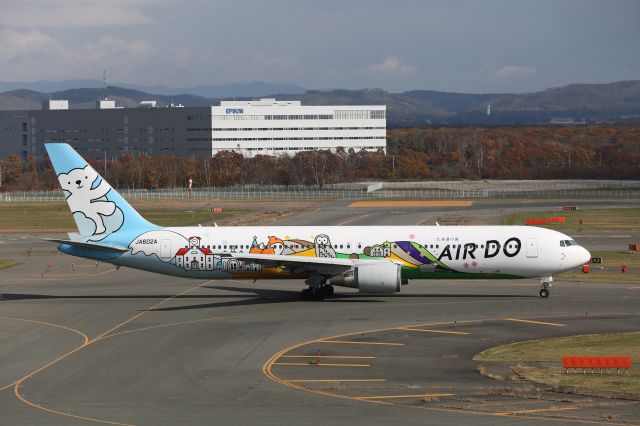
{"points": [[370, 258]]}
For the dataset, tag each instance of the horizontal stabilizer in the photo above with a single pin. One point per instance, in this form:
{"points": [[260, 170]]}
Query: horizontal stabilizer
{"points": [[91, 246]]}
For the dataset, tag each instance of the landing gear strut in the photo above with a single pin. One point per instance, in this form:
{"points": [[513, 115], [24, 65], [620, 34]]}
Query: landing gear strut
{"points": [[545, 282]]}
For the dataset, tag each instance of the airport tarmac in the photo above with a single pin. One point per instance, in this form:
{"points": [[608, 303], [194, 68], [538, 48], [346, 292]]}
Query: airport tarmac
{"points": [[83, 343]]}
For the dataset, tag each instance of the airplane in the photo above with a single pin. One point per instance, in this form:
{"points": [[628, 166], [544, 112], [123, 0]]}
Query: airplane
{"points": [[372, 259]]}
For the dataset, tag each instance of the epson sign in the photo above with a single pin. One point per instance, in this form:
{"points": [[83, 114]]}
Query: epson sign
{"points": [[235, 110]]}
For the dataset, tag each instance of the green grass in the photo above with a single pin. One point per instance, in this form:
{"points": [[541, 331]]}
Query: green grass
{"points": [[614, 344], [18, 216], [610, 269], [188, 217], [4, 264], [606, 219], [56, 216]]}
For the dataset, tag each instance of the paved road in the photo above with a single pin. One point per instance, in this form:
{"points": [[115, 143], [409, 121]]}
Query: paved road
{"points": [[87, 343]]}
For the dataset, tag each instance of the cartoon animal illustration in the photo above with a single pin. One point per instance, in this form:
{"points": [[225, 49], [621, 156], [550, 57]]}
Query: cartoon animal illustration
{"points": [[276, 244], [296, 246], [323, 246], [84, 198]]}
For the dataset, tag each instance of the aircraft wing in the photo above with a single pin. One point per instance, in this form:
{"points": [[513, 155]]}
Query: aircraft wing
{"points": [[320, 265]]}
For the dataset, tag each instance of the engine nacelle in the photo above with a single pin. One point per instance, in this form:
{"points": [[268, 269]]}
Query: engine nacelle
{"points": [[374, 277]]}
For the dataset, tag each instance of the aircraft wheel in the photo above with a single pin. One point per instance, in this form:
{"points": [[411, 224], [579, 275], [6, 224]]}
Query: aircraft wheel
{"points": [[318, 293], [306, 294], [328, 291], [544, 293]]}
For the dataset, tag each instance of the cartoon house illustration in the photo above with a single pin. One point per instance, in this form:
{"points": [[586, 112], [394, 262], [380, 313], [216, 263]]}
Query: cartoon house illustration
{"points": [[194, 257], [382, 250], [228, 264]]}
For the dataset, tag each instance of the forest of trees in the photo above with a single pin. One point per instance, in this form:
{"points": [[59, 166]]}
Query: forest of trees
{"points": [[580, 152]]}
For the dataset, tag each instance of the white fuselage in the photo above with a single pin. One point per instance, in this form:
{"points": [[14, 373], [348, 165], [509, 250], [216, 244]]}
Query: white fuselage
{"points": [[491, 251]]}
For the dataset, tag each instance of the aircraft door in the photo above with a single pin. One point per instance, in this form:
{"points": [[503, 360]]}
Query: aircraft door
{"points": [[532, 247], [165, 249]]}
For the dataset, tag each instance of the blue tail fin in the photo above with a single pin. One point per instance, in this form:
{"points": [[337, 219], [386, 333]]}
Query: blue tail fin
{"points": [[99, 211]]}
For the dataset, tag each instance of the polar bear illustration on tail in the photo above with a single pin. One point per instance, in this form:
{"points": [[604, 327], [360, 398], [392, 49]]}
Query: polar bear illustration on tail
{"points": [[86, 199]]}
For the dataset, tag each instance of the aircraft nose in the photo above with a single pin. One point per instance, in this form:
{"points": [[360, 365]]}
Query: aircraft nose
{"points": [[584, 256]]}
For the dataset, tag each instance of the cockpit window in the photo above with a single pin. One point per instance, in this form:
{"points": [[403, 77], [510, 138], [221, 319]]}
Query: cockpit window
{"points": [[567, 243], [562, 243]]}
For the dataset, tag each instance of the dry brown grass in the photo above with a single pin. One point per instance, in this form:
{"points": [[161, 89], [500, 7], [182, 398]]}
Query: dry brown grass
{"points": [[552, 350]]}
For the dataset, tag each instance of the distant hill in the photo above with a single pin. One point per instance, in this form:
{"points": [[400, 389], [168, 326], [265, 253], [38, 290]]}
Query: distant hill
{"points": [[252, 89], [613, 102], [87, 97]]}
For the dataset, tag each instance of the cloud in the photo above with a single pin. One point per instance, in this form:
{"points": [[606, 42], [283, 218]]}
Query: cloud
{"points": [[279, 62], [392, 65], [16, 44], [20, 50], [72, 13], [513, 71], [110, 49]]}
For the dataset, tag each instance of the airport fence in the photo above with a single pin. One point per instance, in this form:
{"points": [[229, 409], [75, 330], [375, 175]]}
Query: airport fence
{"points": [[614, 190]]}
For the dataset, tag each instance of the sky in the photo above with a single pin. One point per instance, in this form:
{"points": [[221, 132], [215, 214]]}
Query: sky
{"points": [[476, 46]]}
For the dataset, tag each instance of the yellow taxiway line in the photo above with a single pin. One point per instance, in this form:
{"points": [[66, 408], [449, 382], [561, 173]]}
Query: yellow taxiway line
{"points": [[320, 364], [553, 324], [336, 380], [267, 371], [347, 342], [423, 395], [329, 356], [16, 388], [432, 331], [538, 410]]}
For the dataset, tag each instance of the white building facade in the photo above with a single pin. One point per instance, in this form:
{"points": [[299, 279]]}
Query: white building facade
{"points": [[270, 127], [264, 127]]}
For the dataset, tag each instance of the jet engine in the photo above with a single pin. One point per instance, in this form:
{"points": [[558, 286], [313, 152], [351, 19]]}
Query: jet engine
{"points": [[374, 277]]}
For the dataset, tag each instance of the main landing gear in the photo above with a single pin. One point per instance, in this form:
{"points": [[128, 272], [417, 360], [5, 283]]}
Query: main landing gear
{"points": [[319, 288], [317, 293], [545, 283]]}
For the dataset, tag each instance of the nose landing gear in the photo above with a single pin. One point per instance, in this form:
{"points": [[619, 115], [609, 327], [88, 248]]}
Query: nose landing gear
{"points": [[545, 282]]}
